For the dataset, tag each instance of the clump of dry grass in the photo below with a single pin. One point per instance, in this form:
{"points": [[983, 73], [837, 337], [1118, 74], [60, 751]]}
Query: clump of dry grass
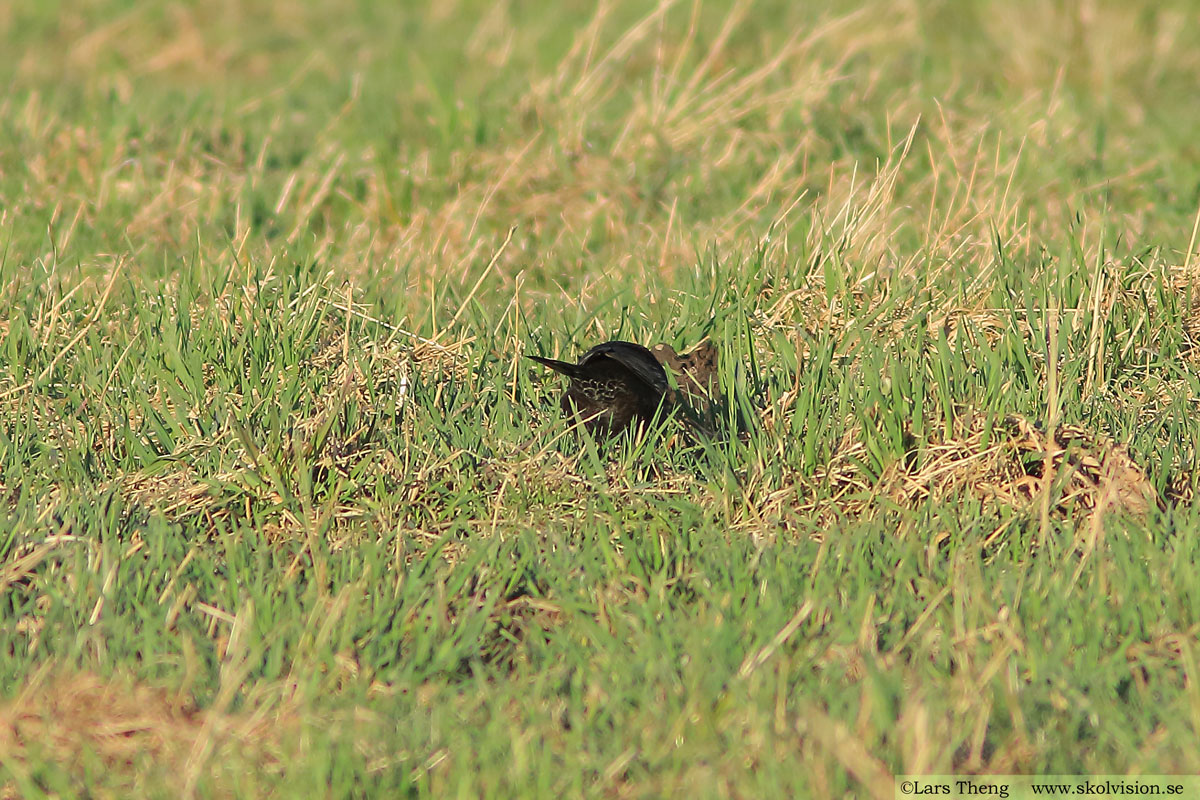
{"points": [[140, 736], [1000, 463]]}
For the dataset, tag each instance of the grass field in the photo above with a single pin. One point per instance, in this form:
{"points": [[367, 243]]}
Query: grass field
{"points": [[286, 512]]}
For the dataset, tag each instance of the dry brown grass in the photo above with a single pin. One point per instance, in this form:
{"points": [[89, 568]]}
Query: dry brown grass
{"points": [[140, 736]]}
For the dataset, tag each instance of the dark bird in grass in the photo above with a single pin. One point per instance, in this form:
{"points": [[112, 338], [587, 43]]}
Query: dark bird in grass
{"points": [[613, 385]]}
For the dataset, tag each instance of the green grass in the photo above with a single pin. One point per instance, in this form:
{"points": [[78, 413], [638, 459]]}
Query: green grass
{"points": [[285, 507]]}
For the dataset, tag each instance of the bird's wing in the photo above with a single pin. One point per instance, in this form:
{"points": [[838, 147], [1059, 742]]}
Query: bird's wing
{"points": [[635, 358]]}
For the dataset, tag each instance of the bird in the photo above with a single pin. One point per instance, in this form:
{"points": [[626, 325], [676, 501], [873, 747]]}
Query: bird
{"points": [[614, 385]]}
